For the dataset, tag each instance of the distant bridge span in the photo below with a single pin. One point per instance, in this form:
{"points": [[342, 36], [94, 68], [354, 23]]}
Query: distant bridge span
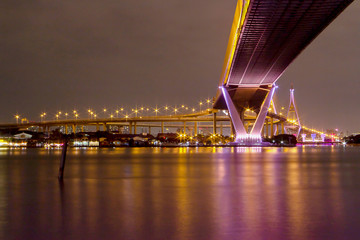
{"points": [[266, 36]]}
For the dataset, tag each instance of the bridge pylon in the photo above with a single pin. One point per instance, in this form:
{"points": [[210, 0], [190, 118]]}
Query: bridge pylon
{"points": [[292, 116], [243, 135]]}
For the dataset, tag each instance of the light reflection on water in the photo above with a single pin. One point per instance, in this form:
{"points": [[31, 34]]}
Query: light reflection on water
{"points": [[181, 193]]}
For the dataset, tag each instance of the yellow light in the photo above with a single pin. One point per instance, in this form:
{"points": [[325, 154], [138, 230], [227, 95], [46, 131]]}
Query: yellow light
{"points": [[66, 114], [141, 108], [208, 100], [193, 109], [117, 111], [104, 109], [111, 116], [89, 110], [121, 109], [182, 106], [200, 103], [126, 116]]}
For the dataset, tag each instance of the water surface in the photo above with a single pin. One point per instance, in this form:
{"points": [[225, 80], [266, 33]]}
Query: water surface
{"points": [[181, 193]]}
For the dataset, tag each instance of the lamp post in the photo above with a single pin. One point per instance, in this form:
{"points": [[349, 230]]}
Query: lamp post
{"points": [[17, 118], [156, 110]]}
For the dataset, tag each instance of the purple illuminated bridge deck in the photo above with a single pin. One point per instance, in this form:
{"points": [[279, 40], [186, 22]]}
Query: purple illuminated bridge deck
{"points": [[266, 36]]}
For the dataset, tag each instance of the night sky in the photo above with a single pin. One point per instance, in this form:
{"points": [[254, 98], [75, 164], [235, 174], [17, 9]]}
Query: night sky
{"points": [[61, 55]]}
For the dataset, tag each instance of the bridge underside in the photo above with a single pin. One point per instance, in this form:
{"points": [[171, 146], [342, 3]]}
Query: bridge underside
{"points": [[266, 36]]}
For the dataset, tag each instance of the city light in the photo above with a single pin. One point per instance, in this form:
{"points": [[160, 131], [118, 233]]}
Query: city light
{"points": [[17, 118]]}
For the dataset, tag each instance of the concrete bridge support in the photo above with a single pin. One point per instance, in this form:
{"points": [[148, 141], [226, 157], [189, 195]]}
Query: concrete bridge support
{"points": [[74, 128], [162, 127], [130, 127], [237, 106], [105, 127], [214, 123]]}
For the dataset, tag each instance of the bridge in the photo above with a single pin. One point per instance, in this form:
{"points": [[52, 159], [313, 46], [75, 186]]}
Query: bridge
{"points": [[211, 121], [265, 37]]}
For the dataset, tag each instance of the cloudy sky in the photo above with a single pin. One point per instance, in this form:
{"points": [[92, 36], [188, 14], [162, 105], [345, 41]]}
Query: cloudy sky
{"points": [[61, 55]]}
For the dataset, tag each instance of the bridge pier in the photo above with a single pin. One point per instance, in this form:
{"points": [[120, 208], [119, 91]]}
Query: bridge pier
{"points": [[66, 129], [134, 127], [195, 128], [162, 127], [97, 127], [214, 123], [237, 108], [272, 127], [74, 128], [130, 127], [267, 128]]}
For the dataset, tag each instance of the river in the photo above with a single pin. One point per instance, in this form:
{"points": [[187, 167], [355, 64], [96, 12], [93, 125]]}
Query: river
{"points": [[305, 192]]}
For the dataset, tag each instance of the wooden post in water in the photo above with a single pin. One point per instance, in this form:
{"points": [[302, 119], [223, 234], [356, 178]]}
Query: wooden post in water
{"points": [[62, 161]]}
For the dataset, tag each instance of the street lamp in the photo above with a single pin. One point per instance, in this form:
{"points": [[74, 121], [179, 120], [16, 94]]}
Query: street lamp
{"points": [[57, 117], [200, 103], [135, 111], [17, 118], [117, 113], [156, 110], [42, 116], [66, 115]]}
